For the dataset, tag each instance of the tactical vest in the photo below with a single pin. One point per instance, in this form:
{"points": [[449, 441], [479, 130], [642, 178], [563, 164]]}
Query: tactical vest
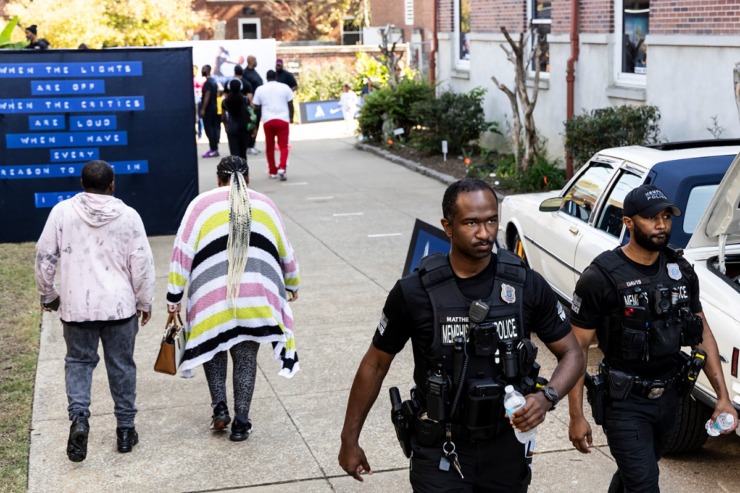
{"points": [[496, 347], [654, 318]]}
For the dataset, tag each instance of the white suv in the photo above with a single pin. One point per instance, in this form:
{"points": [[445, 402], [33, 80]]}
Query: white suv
{"points": [[560, 233]]}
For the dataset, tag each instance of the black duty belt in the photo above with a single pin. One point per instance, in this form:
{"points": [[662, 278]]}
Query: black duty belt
{"points": [[654, 389], [648, 388], [435, 431]]}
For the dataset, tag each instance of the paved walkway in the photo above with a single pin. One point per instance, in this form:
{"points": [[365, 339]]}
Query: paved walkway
{"points": [[349, 215]]}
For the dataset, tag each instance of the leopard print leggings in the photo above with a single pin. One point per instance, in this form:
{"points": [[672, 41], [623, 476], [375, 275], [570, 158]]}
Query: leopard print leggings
{"points": [[244, 355]]}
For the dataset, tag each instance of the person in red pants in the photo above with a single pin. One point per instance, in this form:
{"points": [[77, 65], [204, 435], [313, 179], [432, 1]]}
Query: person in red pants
{"points": [[273, 98]]}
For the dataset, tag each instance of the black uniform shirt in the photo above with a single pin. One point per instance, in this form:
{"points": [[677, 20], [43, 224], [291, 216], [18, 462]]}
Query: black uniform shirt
{"points": [[246, 87], [596, 297], [253, 77], [542, 311], [286, 78]]}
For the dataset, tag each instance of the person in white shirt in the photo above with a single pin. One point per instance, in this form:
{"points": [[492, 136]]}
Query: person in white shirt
{"points": [[273, 98], [348, 103]]}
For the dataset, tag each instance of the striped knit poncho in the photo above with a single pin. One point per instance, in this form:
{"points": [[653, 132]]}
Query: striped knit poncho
{"points": [[199, 261]]}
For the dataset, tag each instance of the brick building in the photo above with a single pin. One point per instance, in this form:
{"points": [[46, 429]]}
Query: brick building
{"points": [[693, 47], [412, 23]]}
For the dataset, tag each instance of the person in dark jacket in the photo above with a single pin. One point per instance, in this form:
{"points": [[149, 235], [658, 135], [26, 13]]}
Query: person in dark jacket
{"points": [[235, 117]]}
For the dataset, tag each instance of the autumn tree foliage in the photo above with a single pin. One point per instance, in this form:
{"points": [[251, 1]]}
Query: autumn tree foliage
{"points": [[317, 20], [107, 23]]}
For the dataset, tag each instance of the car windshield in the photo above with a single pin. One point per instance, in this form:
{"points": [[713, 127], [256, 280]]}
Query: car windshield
{"points": [[699, 198], [579, 201]]}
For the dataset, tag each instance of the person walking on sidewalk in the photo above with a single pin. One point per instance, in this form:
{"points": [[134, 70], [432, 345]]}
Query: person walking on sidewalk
{"points": [[232, 254], [348, 103], [641, 301], [209, 112], [100, 247], [235, 115], [254, 78], [273, 98], [287, 78], [461, 440]]}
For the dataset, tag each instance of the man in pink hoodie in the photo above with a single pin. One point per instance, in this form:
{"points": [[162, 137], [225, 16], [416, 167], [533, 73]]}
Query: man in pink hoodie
{"points": [[106, 268]]}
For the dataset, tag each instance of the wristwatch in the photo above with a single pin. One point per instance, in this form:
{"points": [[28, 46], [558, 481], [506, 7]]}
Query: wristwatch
{"points": [[551, 395]]}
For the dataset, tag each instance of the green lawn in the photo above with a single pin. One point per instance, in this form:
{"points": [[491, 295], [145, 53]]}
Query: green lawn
{"points": [[19, 346]]}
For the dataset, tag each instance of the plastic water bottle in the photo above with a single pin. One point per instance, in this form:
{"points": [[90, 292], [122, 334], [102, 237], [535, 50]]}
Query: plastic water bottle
{"points": [[723, 422], [513, 400]]}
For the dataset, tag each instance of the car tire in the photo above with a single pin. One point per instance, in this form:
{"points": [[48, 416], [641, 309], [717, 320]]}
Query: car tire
{"points": [[689, 433]]}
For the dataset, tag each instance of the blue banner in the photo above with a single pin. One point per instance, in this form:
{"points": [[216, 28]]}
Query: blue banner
{"points": [[50, 199], [321, 111], [78, 105], [81, 123], [26, 141], [44, 87], [60, 69], [35, 171], [73, 155], [46, 122], [62, 108]]}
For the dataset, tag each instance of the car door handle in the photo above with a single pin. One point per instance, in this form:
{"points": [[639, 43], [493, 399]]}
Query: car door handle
{"points": [[573, 230]]}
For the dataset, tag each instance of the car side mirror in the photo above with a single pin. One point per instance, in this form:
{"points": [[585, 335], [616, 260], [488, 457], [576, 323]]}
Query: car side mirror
{"points": [[552, 204]]}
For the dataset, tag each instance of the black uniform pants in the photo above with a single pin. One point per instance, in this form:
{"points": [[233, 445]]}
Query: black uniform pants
{"points": [[637, 429], [497, 465]]}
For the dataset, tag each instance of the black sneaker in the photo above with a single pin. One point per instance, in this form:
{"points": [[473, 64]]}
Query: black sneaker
{"points": [[220, 419], [240, 431], [77, 442], [127, 438]]}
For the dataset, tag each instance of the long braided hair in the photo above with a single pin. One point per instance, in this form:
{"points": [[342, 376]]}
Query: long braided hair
{"points": [[233, 169]]}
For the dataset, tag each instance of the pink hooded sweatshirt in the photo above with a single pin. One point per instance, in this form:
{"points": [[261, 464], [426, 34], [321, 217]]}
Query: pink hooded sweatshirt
{"points": [[104, 258]]}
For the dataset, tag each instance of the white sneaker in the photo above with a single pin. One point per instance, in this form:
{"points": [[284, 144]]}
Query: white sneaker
{"points": [[253, 151], [273, 177], [281, 173]]}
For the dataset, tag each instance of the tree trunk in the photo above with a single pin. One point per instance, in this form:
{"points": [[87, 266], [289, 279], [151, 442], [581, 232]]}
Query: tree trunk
{"points": [[516, 121], [389, 57], [519, 97]]}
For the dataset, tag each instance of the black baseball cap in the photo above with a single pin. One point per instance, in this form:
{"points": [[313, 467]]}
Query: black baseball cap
{"points": [[647, 201]]}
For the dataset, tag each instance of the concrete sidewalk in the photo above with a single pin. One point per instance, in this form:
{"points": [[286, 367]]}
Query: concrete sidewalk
{"points": [[349, 215]]}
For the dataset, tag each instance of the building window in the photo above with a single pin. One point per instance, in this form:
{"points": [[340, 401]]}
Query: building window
{"points": [[250, 29], [540, 21], [633, 21], [462, 28], [351, 33]]}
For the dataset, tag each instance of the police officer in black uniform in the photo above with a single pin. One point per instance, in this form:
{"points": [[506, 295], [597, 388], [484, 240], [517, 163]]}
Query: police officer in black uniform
{"points": [[469, 316], [642, 303]]}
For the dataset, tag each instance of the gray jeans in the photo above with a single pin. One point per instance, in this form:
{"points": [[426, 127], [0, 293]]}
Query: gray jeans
{"points": [[118, 338]]}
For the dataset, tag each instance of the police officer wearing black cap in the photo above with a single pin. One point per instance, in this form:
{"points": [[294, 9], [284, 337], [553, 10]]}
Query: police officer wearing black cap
{"points": [[641, 300], [469, 316]]}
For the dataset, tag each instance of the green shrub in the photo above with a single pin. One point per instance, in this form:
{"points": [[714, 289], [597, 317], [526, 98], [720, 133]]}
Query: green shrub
{"points": [[502, 170], [394, 104], [587, 134], [324, 82], [457, 118]]}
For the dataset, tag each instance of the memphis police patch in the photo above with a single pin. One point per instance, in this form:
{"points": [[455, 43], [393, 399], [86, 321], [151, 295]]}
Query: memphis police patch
{"points": [[508, 293], [673, 271]]}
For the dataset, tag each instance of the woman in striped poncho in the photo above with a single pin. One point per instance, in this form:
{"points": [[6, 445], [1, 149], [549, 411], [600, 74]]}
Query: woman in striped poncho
{"points": [[232, 253]]}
